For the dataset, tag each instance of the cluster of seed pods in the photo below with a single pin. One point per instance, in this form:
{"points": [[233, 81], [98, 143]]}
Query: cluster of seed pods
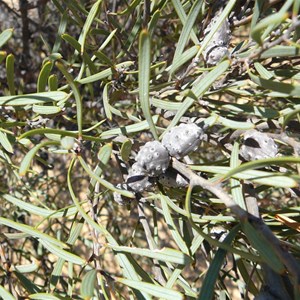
{"points": [[153, 159]]}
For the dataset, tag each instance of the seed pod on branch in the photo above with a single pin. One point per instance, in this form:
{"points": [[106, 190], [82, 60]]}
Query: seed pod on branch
{"points": [[182, 140], [154, 158]]}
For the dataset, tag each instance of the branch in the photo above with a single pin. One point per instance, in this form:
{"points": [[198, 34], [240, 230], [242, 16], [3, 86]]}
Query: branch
{"points": [[286, 258]]}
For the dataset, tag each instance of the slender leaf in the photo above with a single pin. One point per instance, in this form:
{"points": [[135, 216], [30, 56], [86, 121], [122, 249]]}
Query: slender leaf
{"points": [[88, 284], [4, 294], [144, 79], [10, 73], [25, 164], [261, 177], [65, 255], [5, 36], [35, 210], [43, 77], [154, 290], [30, 99], [208, 286], [89, 20], [164, 254], [31, 231], [186, 30], [6, 144]]}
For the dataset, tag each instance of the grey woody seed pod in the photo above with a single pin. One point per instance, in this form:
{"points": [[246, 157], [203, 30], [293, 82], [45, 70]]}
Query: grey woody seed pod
{"points": [[154, 158], [182, 140], [258, 145], [138, 179], [217, 48]]}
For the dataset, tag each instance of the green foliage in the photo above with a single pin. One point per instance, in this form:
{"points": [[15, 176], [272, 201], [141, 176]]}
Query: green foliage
{"points": [[107, 77]]}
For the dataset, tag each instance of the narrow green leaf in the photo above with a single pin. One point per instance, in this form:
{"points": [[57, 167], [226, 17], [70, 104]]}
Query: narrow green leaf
{"points": [[262, 71], [263, 246], [206, 82], [153, 22], [53, 82], [103, 58], [87, 25], [234, 124], [30, 99], [261, 177], [10, 73], [58, 268], [208, 286], [152, 289], [46, 110], [65, 255], [186, 31], [172, 227], [44, 76], [236, 187], [57, 132], [61, 30], [25, 164], [288, 89], [26, 268], [76, 95], [28, 284], [44, 296], [273, 20], [106, 102], [126, 150], [108, 39], [104, 156], [4, 141], [33, 209], [261, 163], [290, 116], [164, 254], [88, 284], [184, 57], [5, 36], [31, 231], [4, 294], [76, 45], [183, 18], [144, 79], [140, 126], [105, 73], [260, 111]]}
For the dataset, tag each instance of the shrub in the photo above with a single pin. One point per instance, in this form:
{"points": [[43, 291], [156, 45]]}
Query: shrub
{"points": [[209, 210]]}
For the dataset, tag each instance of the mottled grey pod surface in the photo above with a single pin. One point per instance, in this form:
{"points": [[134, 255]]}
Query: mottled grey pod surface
{"points": [[120, 199], [138, 179], [183, 139], [154, 158], [258, 145], [217, 48], [172, 179]]}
